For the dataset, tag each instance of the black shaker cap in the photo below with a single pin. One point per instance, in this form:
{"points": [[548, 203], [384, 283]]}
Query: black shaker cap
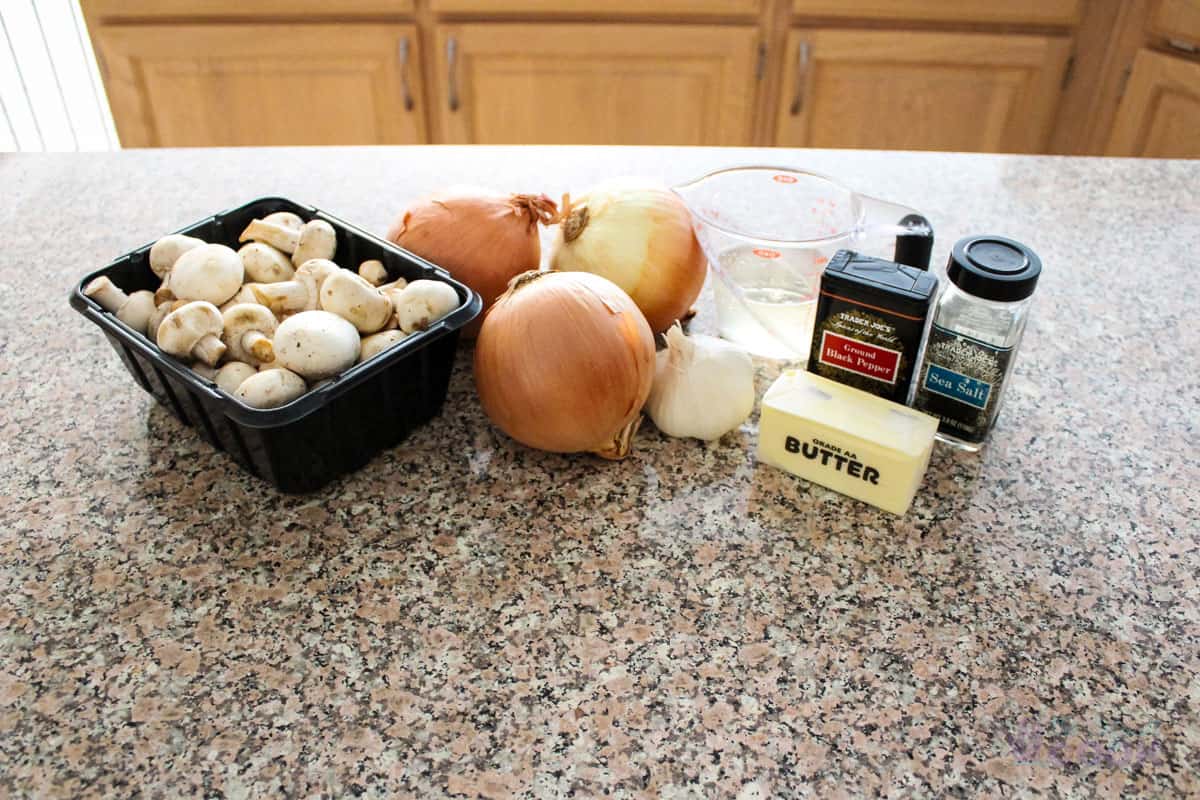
{"points": [[876, 281], [994, 268]]}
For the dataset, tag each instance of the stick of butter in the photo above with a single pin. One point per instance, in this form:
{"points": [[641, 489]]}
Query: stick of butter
{"points": [[845, 439]]}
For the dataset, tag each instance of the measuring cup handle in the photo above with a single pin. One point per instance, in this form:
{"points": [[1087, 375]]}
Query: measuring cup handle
{"points": [[914, 248]]}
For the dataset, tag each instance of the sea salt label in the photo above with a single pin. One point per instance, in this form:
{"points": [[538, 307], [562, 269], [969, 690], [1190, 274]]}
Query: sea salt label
{"points": [[959, 382]]}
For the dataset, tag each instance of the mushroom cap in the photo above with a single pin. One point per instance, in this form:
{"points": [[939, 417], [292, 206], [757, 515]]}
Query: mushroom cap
{"points": [[137, 310], [422, 303], [167, 250], [270, 389], [231, 375], [265, 264], [316, 344], [211, 272], [180, 330], [317, 240], [376, 343], [353, 298], [239, 320], [285, 218]]}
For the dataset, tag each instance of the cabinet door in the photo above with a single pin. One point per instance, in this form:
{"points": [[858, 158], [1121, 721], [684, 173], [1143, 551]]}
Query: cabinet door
{"points": [[595, 84], [920, 90], [247, 84], [1159, 115]]}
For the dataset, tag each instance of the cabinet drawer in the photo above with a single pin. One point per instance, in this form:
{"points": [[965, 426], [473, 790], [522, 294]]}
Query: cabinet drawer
{"points": [[248, 84], [499, 8], [223, 9], [1038, 12], [1178, 19]]}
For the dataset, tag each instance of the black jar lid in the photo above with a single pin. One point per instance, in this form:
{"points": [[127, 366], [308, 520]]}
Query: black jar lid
{"points": [[994, 268]]}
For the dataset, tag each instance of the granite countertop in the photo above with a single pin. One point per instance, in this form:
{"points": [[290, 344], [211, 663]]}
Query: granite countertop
{"points": [[466, 617]]}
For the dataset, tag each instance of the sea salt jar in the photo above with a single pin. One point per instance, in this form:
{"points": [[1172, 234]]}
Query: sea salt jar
{"points": [[977, 325]]}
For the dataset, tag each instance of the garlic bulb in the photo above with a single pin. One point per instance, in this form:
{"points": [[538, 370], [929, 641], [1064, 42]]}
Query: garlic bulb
{"points": [[703, 387]]}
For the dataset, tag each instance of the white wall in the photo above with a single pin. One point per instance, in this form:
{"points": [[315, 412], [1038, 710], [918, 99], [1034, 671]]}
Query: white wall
{"points": [[51, 97]]}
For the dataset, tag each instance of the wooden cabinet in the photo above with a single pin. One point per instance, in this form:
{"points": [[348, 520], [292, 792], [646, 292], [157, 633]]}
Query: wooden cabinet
{"points": [[1159, 115], [263, 84], [589, 8], [1063, 76], [594, 84], [1045, 12], [919, 90]]}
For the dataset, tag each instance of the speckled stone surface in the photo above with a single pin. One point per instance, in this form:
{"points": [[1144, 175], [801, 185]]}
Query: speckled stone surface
{"points": [[465, 617]]}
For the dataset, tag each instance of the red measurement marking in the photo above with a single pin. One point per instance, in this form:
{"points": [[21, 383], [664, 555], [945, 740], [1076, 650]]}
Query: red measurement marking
{"points": [[762, 252], [784, 178]]}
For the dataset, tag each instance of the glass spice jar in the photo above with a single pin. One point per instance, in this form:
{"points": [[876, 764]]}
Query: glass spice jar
{"points": [[977, 325]]}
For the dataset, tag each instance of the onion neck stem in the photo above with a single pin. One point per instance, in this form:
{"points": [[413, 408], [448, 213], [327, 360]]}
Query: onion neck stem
{"points": [[574, 223], [621, 443]]}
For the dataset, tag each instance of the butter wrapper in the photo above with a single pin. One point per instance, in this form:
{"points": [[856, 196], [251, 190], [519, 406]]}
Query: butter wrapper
{"points": [[845, 439]]}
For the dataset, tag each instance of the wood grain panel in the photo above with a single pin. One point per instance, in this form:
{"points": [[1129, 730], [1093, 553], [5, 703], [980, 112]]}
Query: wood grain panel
{"points": [[215, 85], [1159, 115], [595, 84], [1043, 12], [920, 91]]}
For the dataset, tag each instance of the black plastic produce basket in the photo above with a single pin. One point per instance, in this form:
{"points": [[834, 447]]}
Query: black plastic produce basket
{"points": [[328, 431]]}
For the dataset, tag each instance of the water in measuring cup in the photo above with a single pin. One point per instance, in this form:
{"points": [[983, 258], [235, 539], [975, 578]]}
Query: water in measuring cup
{"points": [[773, 317]]}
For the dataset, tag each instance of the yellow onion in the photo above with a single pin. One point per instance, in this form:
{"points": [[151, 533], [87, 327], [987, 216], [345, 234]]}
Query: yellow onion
{"points": [[640, 238], [482, 238], [564, 362]]}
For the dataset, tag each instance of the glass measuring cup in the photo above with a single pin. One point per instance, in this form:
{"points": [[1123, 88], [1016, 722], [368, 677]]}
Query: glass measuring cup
{"points": [[769, 231]]}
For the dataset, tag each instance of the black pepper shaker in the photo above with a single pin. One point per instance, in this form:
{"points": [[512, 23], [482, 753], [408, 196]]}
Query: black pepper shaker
{"points": [[870, 319]]}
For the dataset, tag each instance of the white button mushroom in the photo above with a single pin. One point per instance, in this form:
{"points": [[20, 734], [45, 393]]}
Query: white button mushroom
{"points": [[270, 389], [204, 371], [376, 343], [354, 299], [317, 240], [280, 236], [422, 303], [265, 264], [248, 331], [167, 250], [316, 344], [230, 376], [302, 293], [373, 272], [135, 310], [211, 272], [193, 331], [244, 295], [160, 313], [285, 218]]}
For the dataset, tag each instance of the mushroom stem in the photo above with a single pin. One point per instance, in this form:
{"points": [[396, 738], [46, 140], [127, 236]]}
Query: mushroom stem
{"points": [[258, 345], [106, 293], [281, 237], [283, 296], [209, 349], [163, 293]]}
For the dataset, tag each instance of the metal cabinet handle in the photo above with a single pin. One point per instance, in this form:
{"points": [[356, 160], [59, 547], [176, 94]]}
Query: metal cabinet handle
{"points": [[452, 71], [404, 87], [801, 78]]}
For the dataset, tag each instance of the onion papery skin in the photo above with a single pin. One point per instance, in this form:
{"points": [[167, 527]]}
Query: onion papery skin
{"points": [[564, 363], [480, 237], [640, 238]]}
